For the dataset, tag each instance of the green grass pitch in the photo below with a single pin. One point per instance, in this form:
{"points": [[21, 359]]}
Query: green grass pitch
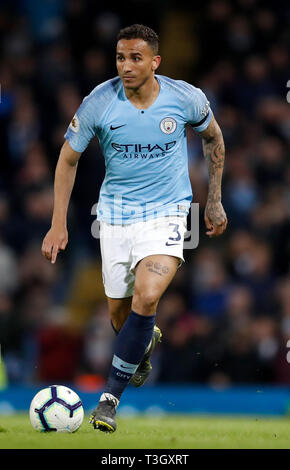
{"points": [[146, 432]]}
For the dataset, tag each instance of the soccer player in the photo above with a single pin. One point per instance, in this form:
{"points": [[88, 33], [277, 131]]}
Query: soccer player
{"points": [[139, 118]]}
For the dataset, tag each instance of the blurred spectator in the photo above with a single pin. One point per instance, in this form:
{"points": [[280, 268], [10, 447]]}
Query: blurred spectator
{"points": [[209, 283], [35, 169], [251, 262], [33, 269], [95, 69], [58, 347], [185, 343], [8, 269], [24, 127], [9, 333], [7, 90], [241, 194], [270, 161], [266, 340], [98, 343], [56, 67], [45, 19], [240, 306]]}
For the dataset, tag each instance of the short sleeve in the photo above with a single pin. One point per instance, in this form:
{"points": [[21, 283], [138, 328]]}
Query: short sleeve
{"points": [[82, 127], [199, 110]]}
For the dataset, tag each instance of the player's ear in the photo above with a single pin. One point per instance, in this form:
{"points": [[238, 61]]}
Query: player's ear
{"points": [[156, 62]]}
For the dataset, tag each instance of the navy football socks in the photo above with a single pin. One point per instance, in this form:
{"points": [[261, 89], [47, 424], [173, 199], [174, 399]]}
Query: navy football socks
{"points": [[130, 346]]}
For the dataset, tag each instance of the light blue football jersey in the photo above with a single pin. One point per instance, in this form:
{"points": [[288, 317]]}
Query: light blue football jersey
{"points": [[145, 151]]}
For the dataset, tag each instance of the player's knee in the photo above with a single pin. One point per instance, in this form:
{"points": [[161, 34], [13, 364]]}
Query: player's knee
{"points": [[145, 302]]}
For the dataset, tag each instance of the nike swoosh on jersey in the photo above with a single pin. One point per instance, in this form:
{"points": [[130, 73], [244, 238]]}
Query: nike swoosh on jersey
{"points": [[170, 244], [117, 127]]}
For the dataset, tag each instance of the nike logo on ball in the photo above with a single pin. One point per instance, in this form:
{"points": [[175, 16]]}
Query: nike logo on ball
{"points": [[117, 127]]}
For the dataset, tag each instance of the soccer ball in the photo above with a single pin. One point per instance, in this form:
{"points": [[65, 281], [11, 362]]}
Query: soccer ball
{"points": [[56, 408]]}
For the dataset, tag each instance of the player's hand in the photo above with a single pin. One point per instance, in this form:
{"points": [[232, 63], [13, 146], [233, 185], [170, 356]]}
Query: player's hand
{"points": [[55, 241], [215, 219]]}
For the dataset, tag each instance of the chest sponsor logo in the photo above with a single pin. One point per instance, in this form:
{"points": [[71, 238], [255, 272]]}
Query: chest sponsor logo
{"points": [[143, 151]]}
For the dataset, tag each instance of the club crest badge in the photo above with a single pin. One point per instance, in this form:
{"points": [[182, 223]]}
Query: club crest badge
{"points": [[168, 125]]}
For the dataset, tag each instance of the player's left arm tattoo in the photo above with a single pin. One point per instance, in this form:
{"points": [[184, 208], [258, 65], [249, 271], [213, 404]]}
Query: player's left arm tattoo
{"points": [[214, 153]]}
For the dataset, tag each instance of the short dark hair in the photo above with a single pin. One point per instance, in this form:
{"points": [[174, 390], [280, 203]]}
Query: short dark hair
{"points": [[139, 31]]}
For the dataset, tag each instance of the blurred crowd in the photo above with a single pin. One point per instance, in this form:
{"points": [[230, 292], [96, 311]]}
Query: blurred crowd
{"points": [[226, 316]]}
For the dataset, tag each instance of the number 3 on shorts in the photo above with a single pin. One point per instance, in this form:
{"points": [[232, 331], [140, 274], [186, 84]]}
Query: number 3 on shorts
{"points": [[177, 238]]}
